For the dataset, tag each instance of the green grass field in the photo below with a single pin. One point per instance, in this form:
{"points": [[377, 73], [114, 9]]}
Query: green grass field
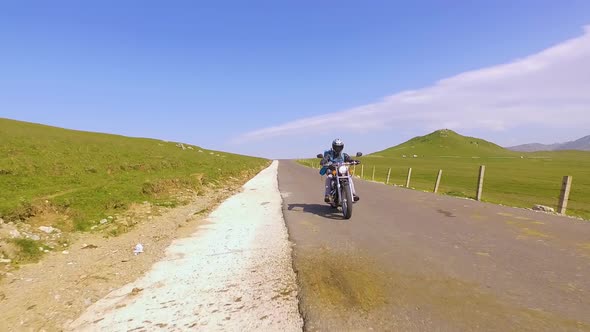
{"points": [[509, 179], [89, 176]]}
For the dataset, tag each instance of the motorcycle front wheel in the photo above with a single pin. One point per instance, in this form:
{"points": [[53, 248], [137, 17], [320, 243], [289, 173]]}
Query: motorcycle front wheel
{"points": [[346, 201]]}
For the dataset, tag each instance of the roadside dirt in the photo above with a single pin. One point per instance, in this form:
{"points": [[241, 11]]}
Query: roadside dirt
{"points": [[234, 274], [46, 295]]}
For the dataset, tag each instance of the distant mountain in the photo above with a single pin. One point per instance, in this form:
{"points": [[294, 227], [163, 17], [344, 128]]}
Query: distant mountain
{"points": [[446, 142], [581, 144], [533, 147]]}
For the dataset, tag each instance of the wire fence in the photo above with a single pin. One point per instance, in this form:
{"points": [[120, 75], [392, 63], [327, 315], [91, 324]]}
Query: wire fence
{"points": [[481, 184]]}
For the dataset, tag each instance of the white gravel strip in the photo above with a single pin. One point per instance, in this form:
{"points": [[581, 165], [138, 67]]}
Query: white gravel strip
{"points": [[234, 274]]}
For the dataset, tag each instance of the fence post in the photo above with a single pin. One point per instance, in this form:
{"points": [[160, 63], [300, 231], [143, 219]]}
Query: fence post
{"points": [[388, 175], [566, 185], [373, 177], [482, 171], [409, 176], [362, 171], [437, 181]]}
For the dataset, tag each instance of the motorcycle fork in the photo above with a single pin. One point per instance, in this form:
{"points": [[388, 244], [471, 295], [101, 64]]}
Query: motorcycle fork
{"points": [[338, 189]]}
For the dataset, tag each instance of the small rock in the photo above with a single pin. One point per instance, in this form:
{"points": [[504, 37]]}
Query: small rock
{"points": [[543, 208], [14, 234], [46, 251], [89, 246], [93, 227], [35, 237], [65, 244], [136, 291], [103, 221], [47, 229], [41, 249], [65, 252], [1, 221], [138, 249], [110, 217], [5, 261]]}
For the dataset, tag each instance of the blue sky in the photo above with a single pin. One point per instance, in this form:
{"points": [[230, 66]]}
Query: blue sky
{"points": [[283, 78]]}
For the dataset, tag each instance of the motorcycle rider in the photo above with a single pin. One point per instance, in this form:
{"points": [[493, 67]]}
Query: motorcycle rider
{"points": [[335, 155]]}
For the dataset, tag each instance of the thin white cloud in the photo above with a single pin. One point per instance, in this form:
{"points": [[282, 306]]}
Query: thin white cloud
{"points": [[548, 89]]}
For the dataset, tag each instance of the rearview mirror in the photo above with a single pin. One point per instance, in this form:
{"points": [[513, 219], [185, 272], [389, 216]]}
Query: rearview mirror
{"points": [[321, 156], [359, 154]]}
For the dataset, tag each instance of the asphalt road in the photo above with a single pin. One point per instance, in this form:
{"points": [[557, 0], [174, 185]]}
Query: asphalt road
{"points": [[415, 261]]}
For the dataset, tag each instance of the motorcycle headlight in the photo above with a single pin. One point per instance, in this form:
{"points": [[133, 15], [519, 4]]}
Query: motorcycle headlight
{"points": [[343, 170]]}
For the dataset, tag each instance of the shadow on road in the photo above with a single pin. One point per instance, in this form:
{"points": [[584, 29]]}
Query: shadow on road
{"points": [[322, 210]]}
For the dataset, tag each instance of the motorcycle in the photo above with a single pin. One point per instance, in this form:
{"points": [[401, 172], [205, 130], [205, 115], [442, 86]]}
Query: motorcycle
{"points": [[341, 189]]}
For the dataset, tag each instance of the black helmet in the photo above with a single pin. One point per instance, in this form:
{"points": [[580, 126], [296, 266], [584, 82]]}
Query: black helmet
{"points": [[337, 146]]}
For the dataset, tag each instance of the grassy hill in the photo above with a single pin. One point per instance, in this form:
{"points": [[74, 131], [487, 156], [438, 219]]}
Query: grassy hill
{"points": [[445, 142], [88, 176], [512, 178]]}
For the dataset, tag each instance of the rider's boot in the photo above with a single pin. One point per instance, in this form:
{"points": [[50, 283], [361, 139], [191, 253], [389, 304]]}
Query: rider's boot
{"points": [[327, 198], [355, 198]]}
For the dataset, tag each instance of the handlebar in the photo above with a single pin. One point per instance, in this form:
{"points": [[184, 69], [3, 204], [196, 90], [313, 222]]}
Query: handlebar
{"points": [[329, 164]]}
